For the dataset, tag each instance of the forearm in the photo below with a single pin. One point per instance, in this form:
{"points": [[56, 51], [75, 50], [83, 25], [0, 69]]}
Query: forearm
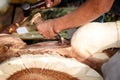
{"points": [[87, 12]]}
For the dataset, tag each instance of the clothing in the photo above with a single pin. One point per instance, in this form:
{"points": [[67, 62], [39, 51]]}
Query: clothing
{"points": [[111, 69], [116, 7]]}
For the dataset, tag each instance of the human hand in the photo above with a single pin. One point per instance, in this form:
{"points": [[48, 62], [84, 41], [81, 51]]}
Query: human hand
{"points": [[47, 29], [51, 3]]}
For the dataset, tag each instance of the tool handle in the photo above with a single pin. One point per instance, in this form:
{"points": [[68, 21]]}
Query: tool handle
{"points": [[38, 4], [37, 19], [26, 7], [59, 39]]}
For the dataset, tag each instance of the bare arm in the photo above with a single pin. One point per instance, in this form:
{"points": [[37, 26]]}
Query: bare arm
{"points": [[87, 12]]}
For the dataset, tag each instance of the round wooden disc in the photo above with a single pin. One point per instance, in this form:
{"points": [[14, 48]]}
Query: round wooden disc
{"points": [[27, 66], [40, 74]]}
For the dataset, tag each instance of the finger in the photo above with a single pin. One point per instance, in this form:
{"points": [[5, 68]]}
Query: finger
{"points": [[39, 29], [52, 33], [42, 7], [47, 33], [48, 3], [44, 32], [55, 2]]}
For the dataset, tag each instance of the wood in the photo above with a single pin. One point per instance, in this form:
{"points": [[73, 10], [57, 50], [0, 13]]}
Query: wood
{"points": [[14, 49]]}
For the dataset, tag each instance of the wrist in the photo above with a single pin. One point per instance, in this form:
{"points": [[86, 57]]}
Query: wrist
{"points": [[58, 25], [63, 23]]}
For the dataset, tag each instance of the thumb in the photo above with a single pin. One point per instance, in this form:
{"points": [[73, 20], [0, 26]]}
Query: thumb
{"points": [[48, 3]]}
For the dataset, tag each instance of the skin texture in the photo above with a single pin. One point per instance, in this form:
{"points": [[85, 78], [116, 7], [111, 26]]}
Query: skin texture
{"points": [[51, 3], [86, 13]]}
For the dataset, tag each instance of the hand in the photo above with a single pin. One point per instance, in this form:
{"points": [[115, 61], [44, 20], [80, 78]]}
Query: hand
{"points": [[47, 29], [51, 3]]}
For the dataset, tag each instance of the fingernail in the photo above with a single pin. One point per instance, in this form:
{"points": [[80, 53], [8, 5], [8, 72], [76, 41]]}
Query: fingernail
{"points": [[48, 5]]}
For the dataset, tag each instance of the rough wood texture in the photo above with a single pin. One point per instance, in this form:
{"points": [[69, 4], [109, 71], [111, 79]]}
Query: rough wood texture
{"points": [[12, 46], [40, 74], [9, 45]]}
